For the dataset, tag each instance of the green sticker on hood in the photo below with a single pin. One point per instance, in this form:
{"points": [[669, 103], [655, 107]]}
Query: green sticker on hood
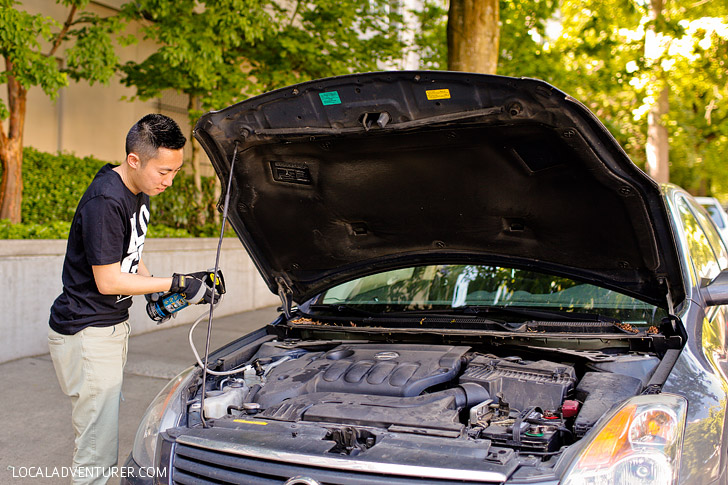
{"points": [[330, 98]]}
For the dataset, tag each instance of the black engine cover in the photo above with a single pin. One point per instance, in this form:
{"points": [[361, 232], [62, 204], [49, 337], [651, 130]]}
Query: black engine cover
{"points": [[391, 370]]}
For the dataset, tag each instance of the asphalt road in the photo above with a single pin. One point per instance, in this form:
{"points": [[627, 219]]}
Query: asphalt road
{"points": [[36, 436]]}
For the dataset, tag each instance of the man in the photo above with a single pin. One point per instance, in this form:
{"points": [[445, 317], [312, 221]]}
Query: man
{"points": [[103, 267]]}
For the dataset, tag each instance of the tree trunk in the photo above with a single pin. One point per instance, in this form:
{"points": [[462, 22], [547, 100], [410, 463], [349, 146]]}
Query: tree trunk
{"points": [[473, 32], [195, 158], [11, 150], [11, 145], [657, 147]]}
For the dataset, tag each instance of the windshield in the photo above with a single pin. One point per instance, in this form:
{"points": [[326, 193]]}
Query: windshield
{"points": [[460, 286]]}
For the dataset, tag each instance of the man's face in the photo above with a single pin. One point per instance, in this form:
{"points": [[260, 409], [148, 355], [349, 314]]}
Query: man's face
{"points": [[157, 174]]}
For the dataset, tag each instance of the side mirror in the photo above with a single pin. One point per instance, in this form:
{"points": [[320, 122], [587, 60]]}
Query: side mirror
{"points": [[716, 292]]}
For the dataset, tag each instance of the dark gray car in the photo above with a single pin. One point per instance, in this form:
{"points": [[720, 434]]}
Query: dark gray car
{"points": [[477, 286]]}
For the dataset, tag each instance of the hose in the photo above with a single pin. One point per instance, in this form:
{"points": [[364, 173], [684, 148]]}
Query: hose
{"points": [[199, 360]]}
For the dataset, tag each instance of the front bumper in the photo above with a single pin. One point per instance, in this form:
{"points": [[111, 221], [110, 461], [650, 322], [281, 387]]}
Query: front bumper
{"points": [[137, 475]]}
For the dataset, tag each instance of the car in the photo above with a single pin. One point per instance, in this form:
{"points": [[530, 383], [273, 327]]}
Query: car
{"points": [[717, 213], [477, 287]]}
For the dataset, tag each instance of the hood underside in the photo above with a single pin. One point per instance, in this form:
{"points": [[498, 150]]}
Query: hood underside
{"points": [[347, 176]]}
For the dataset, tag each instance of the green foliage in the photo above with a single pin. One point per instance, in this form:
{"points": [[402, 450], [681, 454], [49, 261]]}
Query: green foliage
{"points": [[160, 230], [222, 51], [523, 28], [431, 36], [90, 53], [327, 38], [175, 207], [92, 56], [606, 61], [203, 46], [21, 35], [31, 230], [55, 183]]}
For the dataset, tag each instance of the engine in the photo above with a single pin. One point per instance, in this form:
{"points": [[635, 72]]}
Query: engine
{"points": [[444, 391]]}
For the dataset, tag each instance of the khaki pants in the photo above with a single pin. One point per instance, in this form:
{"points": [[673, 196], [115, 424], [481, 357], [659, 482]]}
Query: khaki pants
{"points": [[89, 366]]}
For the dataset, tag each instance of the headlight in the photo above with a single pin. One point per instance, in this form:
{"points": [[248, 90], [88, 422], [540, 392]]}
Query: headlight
{"points": [[639, 443], [163, 413]]}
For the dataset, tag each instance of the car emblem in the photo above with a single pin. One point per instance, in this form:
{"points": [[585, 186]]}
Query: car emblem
{"points": [[301, 481], [386, 355]]}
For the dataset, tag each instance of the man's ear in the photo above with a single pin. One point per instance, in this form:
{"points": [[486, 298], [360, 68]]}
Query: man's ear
{"points": [[133, 160]]}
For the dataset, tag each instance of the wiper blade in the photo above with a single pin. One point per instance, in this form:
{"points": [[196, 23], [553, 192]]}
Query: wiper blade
{"points": [[342, 308], [388, 317], [528, 312], [542, 313]]}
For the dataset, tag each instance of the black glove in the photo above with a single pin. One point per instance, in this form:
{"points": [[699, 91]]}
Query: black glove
{"points": [[207, 279], [218, 283], [198, 287]]}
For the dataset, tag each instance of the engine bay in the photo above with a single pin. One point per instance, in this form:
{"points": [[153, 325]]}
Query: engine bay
{"points": [[354, 393]]}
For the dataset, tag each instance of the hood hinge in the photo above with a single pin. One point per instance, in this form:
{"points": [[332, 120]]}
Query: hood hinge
{"points": [[285, 294]]}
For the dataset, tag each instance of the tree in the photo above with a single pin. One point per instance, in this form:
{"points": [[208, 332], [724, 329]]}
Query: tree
{"points": [[30, 45], [657, 148], [654, 72], [321, 38], [473, 33], [518, 49], [217, 52]]}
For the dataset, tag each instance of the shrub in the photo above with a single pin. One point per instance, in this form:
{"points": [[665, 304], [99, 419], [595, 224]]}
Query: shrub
{"points": [[50, 230], [53, 185]]}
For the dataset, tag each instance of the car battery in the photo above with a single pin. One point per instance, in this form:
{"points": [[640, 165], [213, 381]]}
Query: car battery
{"points": [[530, 433]]}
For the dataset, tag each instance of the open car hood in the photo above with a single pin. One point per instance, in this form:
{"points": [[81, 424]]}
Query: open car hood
{"points": [[347, 176]]}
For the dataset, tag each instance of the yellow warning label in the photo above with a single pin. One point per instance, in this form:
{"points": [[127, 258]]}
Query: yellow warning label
{"points": [[433, 94], [259, 423]]}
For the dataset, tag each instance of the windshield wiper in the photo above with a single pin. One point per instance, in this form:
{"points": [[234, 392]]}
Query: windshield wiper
{"points": [[435, 316], [340, 308], [527, 312]]}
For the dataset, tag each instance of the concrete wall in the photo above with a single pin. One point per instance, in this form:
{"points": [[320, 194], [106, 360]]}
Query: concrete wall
{"points": [[30, 280]]}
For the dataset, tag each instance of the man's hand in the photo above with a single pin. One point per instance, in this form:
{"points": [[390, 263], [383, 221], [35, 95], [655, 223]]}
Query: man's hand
{"points": [[198, 287]]}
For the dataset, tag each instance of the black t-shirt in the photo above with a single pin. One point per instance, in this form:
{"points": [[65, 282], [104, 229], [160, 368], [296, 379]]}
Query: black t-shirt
{"points": [[109, 226]]}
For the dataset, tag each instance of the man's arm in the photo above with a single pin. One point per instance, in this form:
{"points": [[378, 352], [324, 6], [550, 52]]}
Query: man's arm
{"points": [[142, 269], [110, 280]]}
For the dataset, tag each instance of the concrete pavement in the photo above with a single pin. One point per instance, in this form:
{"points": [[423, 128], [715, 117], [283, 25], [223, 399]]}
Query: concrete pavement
{"points": [[36, 426]]}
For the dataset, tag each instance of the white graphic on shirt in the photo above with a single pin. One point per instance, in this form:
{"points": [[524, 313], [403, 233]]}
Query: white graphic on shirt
{"points": [[130, 264]]}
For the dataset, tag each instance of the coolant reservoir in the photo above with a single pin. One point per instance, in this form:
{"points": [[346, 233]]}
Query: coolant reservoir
{"points": [[217, 402]]}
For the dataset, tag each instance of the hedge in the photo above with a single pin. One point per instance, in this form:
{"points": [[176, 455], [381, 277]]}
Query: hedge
{"points": [[53, 185]]}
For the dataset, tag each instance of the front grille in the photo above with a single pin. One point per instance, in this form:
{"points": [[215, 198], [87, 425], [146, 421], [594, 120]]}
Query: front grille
{"points": [[199, 466]]}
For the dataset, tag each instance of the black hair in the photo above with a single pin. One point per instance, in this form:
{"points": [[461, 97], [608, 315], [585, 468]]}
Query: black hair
{"points": [[152, 132]]}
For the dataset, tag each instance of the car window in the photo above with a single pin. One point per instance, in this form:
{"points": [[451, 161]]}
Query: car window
{"points": [[714, 238], [715, 215], [705, 263], [454, 286]]}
